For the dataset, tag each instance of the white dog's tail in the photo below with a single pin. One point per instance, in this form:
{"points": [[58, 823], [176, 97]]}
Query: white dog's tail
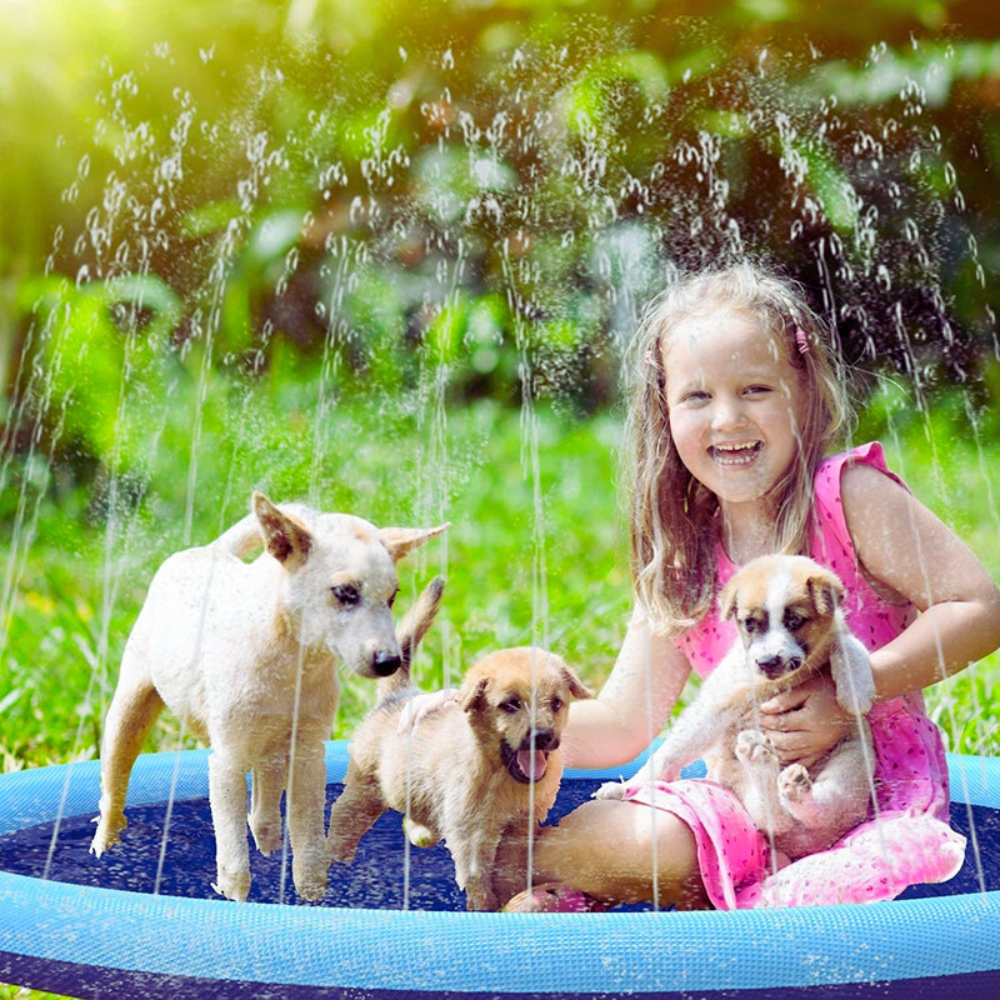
{"points": [[410, 631]]}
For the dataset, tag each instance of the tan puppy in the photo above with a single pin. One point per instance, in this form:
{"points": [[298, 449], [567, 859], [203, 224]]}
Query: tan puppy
{"points": [[788, 611], [465, 776], [245, 654]]}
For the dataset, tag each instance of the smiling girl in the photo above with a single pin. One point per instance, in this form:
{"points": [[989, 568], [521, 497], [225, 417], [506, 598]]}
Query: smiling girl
{"points": [[739, 395]]}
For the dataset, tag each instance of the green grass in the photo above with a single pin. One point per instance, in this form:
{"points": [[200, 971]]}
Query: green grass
{"points": [[536, 550]]}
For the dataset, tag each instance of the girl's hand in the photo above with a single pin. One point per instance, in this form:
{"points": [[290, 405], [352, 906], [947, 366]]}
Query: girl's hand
{"points": [[805, 723], [421, 705]]}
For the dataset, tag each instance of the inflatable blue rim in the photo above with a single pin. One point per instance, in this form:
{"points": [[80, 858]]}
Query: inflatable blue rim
{"points": [[354, 952]]}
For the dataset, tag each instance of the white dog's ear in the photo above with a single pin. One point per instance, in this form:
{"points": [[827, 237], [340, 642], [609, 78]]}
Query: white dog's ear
{"points": [[852, 672], [285, 537], [402, 541]]}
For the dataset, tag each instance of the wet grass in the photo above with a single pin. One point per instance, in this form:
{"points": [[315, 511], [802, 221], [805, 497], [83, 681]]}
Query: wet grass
{"points": [[530, 557]]}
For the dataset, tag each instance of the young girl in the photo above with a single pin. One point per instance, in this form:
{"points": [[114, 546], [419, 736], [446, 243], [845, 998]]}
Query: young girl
{"points": [[739, 395]]}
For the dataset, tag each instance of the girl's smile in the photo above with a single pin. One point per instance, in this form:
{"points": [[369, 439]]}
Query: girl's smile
{"points": [[735, 403]]}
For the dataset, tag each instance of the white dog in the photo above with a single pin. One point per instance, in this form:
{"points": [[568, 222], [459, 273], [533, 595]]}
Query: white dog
{"points": [[788, 611], [245, 654]]}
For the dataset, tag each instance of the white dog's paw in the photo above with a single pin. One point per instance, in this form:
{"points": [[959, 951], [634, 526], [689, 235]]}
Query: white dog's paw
{"points": [[108, 834], [794, 783], [754, 748], [266, 836], [309, 879], [233, 885], [610, 790]]}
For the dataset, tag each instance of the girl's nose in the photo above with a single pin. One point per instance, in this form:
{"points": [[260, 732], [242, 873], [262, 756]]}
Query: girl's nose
{"points": [[728, 414]]}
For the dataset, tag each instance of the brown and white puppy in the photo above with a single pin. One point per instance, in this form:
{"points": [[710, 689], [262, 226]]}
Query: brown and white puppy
{"points": [[791, 626], [245, 654], [464, 776]]}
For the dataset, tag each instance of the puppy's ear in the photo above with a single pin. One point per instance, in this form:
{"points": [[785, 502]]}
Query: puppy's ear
{"points": [[402, 541], [576, 687], [285, 537], [826, 592], [728, 599], [472, 693]]}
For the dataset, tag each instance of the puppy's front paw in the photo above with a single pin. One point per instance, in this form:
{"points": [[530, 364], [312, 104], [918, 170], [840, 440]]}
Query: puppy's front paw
{"points": [[794, 783], [753, 748], [610, 790]]}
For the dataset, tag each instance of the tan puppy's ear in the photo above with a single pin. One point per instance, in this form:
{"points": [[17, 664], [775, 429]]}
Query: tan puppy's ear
{"points": [[826, 592], [402, 541], [727, 599], [285, 537], [576, 687], [472, 693]]}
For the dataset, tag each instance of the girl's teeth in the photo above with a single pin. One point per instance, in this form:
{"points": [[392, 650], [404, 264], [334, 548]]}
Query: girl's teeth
{"points": [[736, 456]]}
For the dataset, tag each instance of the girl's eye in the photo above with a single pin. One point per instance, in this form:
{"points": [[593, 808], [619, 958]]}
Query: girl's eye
{"points": [[696, 397], [756, 390], [346, 593]]}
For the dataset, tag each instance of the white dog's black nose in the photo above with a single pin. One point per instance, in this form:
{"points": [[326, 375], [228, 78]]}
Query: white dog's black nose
{"points": [[386, 664]]}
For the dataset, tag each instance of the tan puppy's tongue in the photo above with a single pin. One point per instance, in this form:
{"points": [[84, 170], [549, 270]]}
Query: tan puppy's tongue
{"points": [[532, 764]]}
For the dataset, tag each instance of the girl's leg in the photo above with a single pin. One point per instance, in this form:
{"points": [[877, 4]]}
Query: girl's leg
{"points": [[621, 852]]}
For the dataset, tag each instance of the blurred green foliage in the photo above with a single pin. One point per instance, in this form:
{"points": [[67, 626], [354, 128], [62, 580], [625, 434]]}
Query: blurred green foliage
{"points": [[374, 191]]}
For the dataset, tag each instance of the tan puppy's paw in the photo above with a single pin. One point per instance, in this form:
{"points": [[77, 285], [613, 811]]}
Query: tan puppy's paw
{"points": [[794, 783], [418, 834]]}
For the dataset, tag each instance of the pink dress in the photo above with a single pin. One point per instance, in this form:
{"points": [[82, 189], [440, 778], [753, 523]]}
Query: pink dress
{"points": [[906, 840]]}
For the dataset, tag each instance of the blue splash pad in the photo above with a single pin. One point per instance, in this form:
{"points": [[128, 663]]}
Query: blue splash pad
{"points": [[86, 927]]}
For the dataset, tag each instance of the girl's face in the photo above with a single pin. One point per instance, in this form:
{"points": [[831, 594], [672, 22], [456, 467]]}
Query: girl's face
{"points": [[735, 406]]}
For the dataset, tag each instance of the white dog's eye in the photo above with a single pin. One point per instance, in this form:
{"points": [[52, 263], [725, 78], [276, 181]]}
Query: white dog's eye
{"points": [[511, 706], [794, 622], [556, 704], [346, 593]]}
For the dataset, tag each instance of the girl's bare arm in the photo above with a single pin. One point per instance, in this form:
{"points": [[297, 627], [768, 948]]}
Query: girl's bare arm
{"points": [[904, 549], [633, 704]]}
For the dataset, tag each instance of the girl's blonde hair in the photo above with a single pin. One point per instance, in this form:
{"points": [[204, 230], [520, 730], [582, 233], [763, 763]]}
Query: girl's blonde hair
{"points": [[672, 516]]}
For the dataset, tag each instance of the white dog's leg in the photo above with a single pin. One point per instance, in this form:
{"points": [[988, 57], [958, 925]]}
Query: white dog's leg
{"points": [[306, 810], [227, 793], [265, 804], [133, 711]]}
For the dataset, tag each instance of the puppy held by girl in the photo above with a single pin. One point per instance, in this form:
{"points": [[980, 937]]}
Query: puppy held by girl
{"points": [[736, 427], [788, 612]]}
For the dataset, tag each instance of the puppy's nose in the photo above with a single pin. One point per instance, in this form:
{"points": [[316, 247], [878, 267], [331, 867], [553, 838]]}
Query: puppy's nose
{"points": [[386, 664], [771, 666], [546, 739]]}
